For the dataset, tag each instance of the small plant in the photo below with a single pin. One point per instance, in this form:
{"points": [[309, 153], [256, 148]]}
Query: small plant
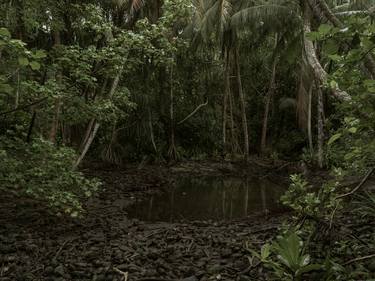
{"points": [[365, 205], [291, 262], [302, 198], [299, 196]]}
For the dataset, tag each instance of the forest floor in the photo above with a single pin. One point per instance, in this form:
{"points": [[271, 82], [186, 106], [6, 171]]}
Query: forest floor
{"points": [[106, 245]]}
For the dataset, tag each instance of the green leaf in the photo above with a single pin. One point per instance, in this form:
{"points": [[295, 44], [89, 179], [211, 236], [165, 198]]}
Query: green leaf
{"points": [[333, 84], [352, 130], [335, 57], [74, 214], [324, 29], [313, 36], [308, 268], [331, 47], [254, 253], [23, 61], [334, 138], [265, 251], [35, 65], [6, 88], [5, 32], [40, 54]]}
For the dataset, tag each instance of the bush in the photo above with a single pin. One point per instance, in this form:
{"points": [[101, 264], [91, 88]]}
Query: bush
{"points": [[44, 172]]}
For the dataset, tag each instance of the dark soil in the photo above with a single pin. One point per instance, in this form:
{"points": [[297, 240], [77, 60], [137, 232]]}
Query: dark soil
{"points": [[105, 244]]}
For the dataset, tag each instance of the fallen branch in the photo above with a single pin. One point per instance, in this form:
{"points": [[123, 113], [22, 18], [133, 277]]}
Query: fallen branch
{"points": [[23, 107], [61, 248], [124, 274], [367, 176], [360, 259], [195, 111]]}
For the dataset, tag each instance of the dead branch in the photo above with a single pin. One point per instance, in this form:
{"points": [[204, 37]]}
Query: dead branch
{"points": [[367, 176], [360, 259], [23, 107], [194, 111], [124, 274]]}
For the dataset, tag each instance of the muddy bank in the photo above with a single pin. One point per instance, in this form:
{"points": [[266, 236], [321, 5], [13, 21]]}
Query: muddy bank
{"points": [[105, 244]]}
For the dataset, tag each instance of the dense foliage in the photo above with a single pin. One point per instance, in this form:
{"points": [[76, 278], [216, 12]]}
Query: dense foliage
{"points": [[121, 81]]}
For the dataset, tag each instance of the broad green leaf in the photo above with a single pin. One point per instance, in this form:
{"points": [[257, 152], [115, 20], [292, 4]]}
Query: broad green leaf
{"points": [[35, 65], [324, 29], [334, 138], [39, 54], [6, 88], [23, 61], [313, 36], [5, 32], [352, 130], [331, 47]]}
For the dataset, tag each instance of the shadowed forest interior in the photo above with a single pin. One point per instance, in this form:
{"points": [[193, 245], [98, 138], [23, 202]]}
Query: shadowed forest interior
{"points": [[187, 140]]}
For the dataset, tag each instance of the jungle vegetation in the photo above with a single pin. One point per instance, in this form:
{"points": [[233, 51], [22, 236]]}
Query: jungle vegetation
{"points": [[125, 81]]}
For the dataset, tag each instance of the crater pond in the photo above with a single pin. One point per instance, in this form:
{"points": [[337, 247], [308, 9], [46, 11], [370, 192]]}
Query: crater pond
{"points": [[210, 198]]}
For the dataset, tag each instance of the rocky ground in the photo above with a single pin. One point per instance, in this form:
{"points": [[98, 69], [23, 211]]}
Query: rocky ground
{"points": [[106, 245]]}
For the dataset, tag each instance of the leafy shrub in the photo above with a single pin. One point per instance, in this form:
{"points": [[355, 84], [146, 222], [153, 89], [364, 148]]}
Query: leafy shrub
{"points": [[305, 200], [43, 172], [291, 262]]}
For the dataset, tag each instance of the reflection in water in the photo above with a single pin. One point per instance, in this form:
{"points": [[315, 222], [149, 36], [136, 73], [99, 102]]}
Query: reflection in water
{"points": [[210, 198]]}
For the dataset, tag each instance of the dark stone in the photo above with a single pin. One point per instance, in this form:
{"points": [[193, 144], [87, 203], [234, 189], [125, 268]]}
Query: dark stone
{"points": [[60, 270], [191, 278]]}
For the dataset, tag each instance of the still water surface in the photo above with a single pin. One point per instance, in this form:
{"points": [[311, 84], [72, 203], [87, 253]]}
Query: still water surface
{"points": [[206, 198]]}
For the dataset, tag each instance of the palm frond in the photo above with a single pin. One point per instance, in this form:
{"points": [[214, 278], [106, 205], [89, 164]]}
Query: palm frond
{"points": [[129, 5], [272, 13], [211, 18]]}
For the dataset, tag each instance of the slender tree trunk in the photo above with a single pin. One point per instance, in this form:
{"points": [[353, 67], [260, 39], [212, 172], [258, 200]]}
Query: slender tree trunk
{"points": [[320, 128], [152, 137], [17, 100], [269, 96], [225, 100], [31, 126], [57, 107], [309, 130], [233, 138], [243, 106], [172, 153], [94, 127], [87, 146], [87, 133]]}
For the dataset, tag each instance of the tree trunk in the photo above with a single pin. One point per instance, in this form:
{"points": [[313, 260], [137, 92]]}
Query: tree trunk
{"points": [[320, 74], [320, 128], [94, 125], [309, 130], [233, 139], [87, 145], [31, 126], [243, 106], [172, 153], [225, 100], [17, 99], [326, 12], [152, 136], [57, 107], [268, 98]]}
